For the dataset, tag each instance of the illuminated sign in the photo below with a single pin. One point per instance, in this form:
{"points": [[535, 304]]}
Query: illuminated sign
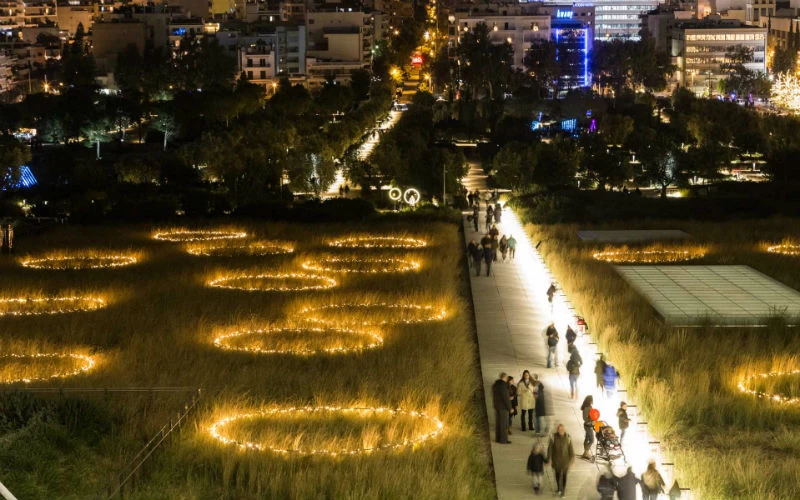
{"points": [[564, 14], [416, 59], [569, 124]]}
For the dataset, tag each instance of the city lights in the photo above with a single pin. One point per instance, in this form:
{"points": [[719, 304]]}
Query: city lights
{"points": [[243, 249], [299, 341], [786, 92], [791, 249], [79, 260], [361, 265], [21, 374], [379, 313], [378, 242], [777, 398], [287, 282], [32, 306], [652, 256], [188, 235], [217, 430]]}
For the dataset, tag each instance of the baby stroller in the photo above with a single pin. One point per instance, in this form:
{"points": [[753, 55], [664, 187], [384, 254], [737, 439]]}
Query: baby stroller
{"points": [[608, 445]]}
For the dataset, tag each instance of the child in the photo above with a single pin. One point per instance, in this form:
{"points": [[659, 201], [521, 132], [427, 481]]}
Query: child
{"points": [[624, 421], [536, 466]]}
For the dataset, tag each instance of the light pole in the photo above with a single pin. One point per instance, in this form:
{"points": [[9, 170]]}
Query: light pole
{"points": [[444, 184]]}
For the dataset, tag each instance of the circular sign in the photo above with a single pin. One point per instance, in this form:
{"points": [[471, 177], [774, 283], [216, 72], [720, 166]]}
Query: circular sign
{"points": [[395, 194], [411, 196]]}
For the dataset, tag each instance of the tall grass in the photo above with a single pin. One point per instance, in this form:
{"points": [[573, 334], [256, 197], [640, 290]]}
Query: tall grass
{"points": [[726, 444], [158, 330]]}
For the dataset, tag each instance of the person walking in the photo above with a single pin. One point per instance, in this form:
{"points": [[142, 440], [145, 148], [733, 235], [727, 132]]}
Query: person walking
{"points": [[626, 485], [624, 420], [477, 257], [606, 485], [560, 455], [502, 407], [469, 198], [503, 245], [536, 465], [475, 215], [574, 368], [610, 376], [498, 212], [542, 423], [652, 483], [588, 427], [551, 292], [599, 370], [571, 336], [489, 217], [512, 247], [552, 345], [512, 395], [526, 396], [471, 246], [488, 254], [495, 245]]}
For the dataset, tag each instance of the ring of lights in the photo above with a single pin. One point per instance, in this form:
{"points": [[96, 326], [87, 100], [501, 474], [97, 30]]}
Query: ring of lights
{"points": [[395, 194], [188, 235], [361, 265], [241, 250], [217, 430], [411, 196], [790, 249], [378, 242], [78, 262], [424, 313], [272, 282], [84, 364], [648, 256], [777, 398], [373, 340], [27, 306]]}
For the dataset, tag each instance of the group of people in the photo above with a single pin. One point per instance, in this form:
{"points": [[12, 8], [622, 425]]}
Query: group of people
{"points": [[511, 398], [474, 197], [487, 249], [651, 483]]}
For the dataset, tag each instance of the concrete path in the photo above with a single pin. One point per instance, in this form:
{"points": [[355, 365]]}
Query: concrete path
{"points": [[511, 314]]}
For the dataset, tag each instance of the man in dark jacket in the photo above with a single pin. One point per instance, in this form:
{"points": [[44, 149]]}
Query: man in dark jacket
{"points": [[502, 408], [486, 244], [542, 425], [626, 486], [560, 455]]}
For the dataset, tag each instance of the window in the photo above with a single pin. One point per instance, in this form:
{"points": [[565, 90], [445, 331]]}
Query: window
{"points": [[263, 75], [250, 75], [262, 62]]}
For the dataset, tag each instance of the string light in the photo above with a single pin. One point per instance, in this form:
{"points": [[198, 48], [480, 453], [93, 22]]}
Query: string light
{"points": [[188, 235], [84, 364], [216, 430], [777, 398], [378, 242], [258, 248], [29, 306], [229, 282], [424, 313], [361, 265], [649, 256], [373, 340], [791, 249], [77, 262]]}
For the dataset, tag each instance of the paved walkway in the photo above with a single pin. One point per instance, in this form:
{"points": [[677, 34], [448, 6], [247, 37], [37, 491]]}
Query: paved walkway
{"points": [[511, 314]]}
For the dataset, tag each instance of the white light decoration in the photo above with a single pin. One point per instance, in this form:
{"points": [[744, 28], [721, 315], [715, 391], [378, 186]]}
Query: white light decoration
{"points": [[411, 196], [395, 194], [790, 249], [371, 340], [33, 306], [274, 282], [258, 248], [217, 430], [774, 397], [398, 313], [786, 92], [630, 256], [373, 265], [79, 261], [82, 364], [188, 235], [367, 241]]}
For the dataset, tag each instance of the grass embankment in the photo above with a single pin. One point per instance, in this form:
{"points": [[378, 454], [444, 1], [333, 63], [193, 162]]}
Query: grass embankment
{"points": [[158, 329], [726, 444]]}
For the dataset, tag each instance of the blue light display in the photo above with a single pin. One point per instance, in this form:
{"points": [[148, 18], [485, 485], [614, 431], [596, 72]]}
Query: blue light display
{"points": [[569, 125], [179, 31], [564, 14], [26, 179]]}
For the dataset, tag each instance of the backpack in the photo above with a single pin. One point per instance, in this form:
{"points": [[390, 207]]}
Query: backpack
{"points": [[552, 340]]}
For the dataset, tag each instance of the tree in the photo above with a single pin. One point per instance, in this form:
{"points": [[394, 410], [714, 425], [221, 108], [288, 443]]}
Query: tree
{"points": [[484, 65], [740, 80], [603, 163], [513, 165], [135, 170], [615, 128], [164, 121], [96, 132], [557, 163], [13, 155], [786, 92], [784, 60], [78, 65], [360, 81], [660, 164], [541, 63]]}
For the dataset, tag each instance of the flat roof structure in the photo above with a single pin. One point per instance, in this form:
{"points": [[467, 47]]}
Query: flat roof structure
{"points": [[632, 236], [717, 295]]}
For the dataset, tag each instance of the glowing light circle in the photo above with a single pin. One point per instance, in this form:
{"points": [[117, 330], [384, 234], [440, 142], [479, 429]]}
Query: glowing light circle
{"points": [[378, 242], [371, 341], [229, 282], [648, 256], [790, 249], [79, 262], [774, 397], [411, 196], [217, 430], [403, 313], [395, 194], [29, 306], [373, 265], [240, 250], [83, 364], [188, 235]]}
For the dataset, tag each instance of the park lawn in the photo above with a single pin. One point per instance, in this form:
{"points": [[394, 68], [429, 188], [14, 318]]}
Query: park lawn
{"points": [[158, 330], [725, 444]]}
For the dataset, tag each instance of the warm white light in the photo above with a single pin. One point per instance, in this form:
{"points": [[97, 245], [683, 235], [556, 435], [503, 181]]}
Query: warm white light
{"points": [[82, 364], [384, 313], [367, 241], [32, 306], [785, 92], [361, 265], [274, 282], [254, 249], [791, 249], [774, 397], [186, 235], [217, 430], [360, 340], [630, 256], [79, 261]]}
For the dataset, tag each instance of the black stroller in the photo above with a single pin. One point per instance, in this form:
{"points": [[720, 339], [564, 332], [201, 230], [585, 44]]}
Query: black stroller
{"points": [[608, 445]]}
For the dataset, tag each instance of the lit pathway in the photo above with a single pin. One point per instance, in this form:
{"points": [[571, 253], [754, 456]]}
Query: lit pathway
{"points": [[511, 314]]}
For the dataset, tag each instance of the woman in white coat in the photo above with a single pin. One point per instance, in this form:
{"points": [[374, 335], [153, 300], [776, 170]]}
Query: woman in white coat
{"points": [[526, 396]]}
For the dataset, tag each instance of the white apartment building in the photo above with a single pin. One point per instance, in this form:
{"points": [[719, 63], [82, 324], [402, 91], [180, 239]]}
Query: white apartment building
{"points": [[620, 18], [521, 31], [699, 48]]}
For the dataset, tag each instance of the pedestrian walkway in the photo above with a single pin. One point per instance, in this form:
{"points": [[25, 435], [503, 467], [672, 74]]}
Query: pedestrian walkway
{"points": [[511, 315]]}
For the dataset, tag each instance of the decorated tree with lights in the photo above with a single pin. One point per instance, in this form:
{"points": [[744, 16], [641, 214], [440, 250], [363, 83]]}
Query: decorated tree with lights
{"points": [[786, 92]]}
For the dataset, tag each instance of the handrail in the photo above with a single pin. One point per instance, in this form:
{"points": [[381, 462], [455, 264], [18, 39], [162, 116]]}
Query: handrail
{"points": [[5, 493]]}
